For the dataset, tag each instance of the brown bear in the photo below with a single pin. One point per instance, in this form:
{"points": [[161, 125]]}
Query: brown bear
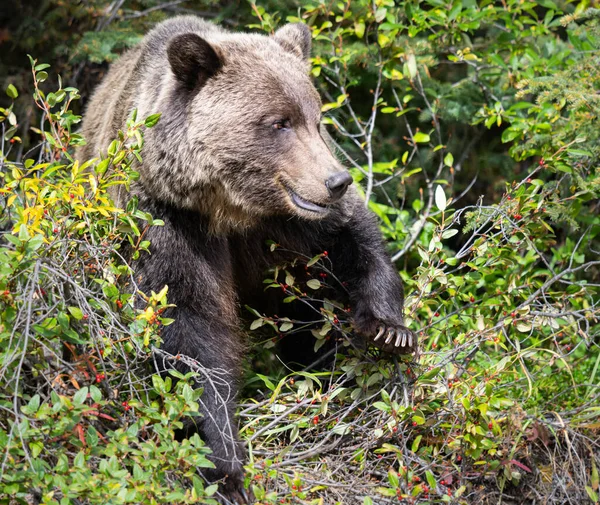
{"points": [[238, 157]]}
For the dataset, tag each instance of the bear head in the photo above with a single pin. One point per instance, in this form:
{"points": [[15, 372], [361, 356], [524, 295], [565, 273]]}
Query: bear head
{"points": [[251, 119]]}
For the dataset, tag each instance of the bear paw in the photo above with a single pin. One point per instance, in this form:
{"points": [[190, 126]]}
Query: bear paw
{"points": [[232, 492], [397, 339]]}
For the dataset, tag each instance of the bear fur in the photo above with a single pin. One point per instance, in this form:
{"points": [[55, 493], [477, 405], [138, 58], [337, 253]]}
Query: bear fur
{"points": [[238, 158]]}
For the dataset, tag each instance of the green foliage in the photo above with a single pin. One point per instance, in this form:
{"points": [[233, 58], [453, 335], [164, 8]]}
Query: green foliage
{"points": [[105, 46], [504, 295], [78, 423]]}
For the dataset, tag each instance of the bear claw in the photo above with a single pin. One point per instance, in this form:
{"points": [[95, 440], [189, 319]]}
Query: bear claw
{"points": [[390, 336], [400, 338]]}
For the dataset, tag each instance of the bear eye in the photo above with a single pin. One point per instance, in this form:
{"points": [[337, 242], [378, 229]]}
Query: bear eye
{"points": [[282, 124]]}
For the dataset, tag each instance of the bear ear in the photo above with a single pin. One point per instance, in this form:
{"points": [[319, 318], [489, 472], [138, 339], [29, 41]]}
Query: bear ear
{"points": [[295, 38], [192, 60]]}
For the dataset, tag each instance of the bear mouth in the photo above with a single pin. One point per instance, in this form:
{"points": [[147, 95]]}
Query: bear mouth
{"points": [[306, 204]]}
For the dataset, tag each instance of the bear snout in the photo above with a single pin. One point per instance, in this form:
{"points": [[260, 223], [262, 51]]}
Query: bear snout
{"points": [[337, 184]]}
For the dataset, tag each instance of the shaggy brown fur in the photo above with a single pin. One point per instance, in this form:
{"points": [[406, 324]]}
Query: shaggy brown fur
{"points": [[237, 158]]}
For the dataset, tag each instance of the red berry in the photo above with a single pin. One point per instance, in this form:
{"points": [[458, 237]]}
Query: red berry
{"points": [[490, 426], [325, 253], [316, 420], [472, 299]]}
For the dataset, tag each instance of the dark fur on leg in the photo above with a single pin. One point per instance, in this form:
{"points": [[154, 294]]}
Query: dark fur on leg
{"points": [[358, 258], [197, 269]]}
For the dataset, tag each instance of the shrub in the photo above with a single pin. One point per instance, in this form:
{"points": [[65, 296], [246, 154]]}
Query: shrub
{"points": [[80, 420]]}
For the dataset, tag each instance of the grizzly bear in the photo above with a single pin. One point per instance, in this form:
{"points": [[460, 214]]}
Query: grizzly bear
{"points": [[239, 157]]}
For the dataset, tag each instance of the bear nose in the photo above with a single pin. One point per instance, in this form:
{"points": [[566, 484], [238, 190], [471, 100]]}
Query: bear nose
{"points": [[337, 184]]}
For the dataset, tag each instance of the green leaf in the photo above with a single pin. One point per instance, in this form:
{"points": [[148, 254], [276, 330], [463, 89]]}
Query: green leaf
{"points": [[257, 323], [80, 396], [449, 233], [448, 160], [411, 64], [36, 448], [430, 479], [286, 326], [359, 29], [386, 492], [314, 259], [393, 478], [34, 404], [421, 137], [313, 284], [12, 92], [429, 375], [76, 313], [267, 381], [95, 393], [415, 444], [159, 384], [210, 490], [151, 120], [380, 14], [592, 494], [34, 243]]}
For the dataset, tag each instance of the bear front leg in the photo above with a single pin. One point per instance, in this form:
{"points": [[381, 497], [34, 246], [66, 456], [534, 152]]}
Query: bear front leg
{"points": [[376, 293], [204, 334], [209, 344]]}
